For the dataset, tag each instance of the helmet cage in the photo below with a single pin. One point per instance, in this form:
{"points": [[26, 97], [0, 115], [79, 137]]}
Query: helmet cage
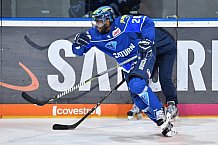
{"points": [[103, 13], [103, 17]]}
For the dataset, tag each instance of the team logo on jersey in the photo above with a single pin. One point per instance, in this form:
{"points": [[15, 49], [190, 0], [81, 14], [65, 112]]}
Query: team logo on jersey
{"points": [[125, 52], [116, 32], [112, 45], [122, 19]]}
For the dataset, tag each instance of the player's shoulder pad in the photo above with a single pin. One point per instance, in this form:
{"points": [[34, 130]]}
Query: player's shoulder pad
{"points": [[122, 21]]}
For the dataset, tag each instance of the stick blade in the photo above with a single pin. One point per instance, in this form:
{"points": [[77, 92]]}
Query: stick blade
{"points": [[34, 45], [33, 100], [63, 127]]}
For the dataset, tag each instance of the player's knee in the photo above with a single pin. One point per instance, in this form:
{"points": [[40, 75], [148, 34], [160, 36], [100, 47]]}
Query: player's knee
{"points": [[137, 85]]}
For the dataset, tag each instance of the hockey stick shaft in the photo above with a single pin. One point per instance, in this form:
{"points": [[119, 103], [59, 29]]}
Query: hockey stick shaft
{"points": [[36, 46], [96, 76], [41, 103], [73, 126], [39, 47]]}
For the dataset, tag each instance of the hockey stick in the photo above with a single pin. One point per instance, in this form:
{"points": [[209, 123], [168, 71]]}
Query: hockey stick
{"points": [[73, 126], [41, 103], [36, 46]]}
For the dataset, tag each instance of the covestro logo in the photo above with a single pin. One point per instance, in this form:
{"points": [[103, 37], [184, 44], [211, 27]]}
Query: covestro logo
{"points": [[58, 111]]}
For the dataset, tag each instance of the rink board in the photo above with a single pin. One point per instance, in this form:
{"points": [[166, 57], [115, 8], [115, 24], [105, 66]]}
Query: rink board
{"points": [[104, 110], [53, 69]]}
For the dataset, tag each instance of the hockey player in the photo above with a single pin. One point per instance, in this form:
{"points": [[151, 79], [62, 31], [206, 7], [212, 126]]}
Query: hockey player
{"points": [[165, 57], [165, 44], [122, 38]]}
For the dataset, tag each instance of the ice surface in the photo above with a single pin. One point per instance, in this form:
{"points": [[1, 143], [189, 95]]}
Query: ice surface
{"points": [[107, 131]]}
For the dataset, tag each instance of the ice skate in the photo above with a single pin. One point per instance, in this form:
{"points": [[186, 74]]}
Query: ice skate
{"points": [[169, 130], [166, 126], [172, 111], [134, 112]]}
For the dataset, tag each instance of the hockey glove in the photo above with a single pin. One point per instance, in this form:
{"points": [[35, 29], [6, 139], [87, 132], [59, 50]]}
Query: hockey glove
{"points": [[145, 46], [82, 39]]}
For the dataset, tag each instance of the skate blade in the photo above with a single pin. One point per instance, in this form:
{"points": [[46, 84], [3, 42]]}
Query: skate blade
{"points": [[136, 117], [172, 119], [171, 133], [130, 117], [139, 116]]}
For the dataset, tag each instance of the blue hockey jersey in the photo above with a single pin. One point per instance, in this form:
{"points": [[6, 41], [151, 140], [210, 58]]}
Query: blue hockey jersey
{"points": [[122, 40]]}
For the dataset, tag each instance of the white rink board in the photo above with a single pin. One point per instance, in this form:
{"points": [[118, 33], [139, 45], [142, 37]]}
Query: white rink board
{"points": [[84, 23], [106, 131]]}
